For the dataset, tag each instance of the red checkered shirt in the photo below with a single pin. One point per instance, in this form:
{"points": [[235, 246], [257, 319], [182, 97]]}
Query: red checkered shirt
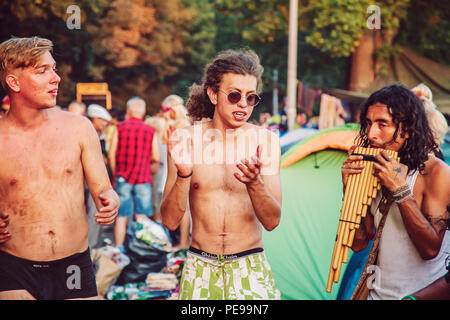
{"points": [[134, 151]]}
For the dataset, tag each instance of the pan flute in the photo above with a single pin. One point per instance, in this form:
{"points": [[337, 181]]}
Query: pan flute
{"points": [[361, 189]]}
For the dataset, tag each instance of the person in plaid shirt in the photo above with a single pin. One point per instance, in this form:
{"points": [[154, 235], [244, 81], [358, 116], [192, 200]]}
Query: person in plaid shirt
{"points": [[132, 151]]}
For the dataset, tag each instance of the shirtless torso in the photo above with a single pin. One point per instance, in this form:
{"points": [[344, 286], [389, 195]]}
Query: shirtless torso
{"points": [[224, 217], [42, 184]]}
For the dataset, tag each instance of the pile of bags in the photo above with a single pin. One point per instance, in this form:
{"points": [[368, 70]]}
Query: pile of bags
{"points": [[149, 270]]}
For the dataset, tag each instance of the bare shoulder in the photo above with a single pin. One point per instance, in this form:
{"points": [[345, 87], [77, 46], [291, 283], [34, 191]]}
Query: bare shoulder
{"points": [[436, 175], [68, 118]]}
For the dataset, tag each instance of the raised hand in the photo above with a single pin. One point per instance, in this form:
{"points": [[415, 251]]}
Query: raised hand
{"points": [[250, 169], [180, 148], [350, 166], [391, 173]]}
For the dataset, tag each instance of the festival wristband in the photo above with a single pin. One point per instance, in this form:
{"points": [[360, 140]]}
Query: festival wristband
{"points": [[400, 190], [409, 196], [184, 177]]}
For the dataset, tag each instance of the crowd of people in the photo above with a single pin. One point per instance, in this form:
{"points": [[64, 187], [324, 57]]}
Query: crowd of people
{"points": [[202, 169]]}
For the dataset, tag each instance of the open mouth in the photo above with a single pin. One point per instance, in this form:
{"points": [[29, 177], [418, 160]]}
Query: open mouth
{"points": [[239, 115], [54, 92]]}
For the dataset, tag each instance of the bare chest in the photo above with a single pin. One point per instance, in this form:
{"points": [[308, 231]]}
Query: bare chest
{"points": [[216, 177], [28, 161]]}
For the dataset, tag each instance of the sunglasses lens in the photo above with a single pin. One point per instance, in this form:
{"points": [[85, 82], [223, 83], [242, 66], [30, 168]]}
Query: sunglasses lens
{"points": [[253, 100], [234, 97]]}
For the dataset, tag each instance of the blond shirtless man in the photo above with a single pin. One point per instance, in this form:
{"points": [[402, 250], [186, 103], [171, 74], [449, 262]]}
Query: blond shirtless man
{"points": [[229, 171], [46, 155], [414, 242]]}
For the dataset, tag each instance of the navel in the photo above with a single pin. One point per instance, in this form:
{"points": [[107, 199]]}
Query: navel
{"points": [[69, 171], [13, 182], [195, 185]]}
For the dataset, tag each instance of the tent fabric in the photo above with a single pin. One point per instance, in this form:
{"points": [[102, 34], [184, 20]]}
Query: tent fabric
{"points": [[341, 138], [299, 250], [409, 69], [293, 137]]}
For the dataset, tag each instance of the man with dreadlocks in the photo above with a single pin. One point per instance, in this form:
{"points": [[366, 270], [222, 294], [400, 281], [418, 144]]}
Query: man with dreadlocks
{"points": [[413, 242]]}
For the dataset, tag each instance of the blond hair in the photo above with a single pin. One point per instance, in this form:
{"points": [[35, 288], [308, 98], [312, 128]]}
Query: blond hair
{"points": [[436, 120], [21, 53], [175, 102]]}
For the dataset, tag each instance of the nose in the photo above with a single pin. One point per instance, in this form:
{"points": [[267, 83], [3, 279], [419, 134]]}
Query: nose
{"points": [[372, 133], [243, 102], [55, 78]]}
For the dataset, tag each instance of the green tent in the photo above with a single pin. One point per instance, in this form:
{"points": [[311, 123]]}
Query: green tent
{"points": [[299, 250]]}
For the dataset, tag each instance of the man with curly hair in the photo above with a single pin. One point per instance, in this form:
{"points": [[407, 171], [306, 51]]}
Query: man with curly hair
{"points": [[229, 171], [414, 240]]}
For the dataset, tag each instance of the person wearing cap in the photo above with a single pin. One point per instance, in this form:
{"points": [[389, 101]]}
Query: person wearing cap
{"points": [[47, 154], [99, 116], [100, 119], [133, 149]]}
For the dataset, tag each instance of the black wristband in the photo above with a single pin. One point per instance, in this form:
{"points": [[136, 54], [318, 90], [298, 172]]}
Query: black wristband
{"points": [[190, 174]]}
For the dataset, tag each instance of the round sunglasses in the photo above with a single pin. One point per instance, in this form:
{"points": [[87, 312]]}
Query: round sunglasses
{"points": [[235, 96]]}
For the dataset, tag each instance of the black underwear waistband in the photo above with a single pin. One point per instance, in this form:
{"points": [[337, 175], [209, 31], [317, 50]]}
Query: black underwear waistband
{"points": [[223, 257]]}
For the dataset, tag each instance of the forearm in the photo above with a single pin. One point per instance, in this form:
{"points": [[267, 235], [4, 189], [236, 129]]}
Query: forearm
{"points": [[174, 205], [438, 290], [422, 234], [267, 208]]}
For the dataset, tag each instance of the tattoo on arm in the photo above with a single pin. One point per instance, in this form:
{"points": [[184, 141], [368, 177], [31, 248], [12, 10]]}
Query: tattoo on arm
{"points": [[440, 223]]}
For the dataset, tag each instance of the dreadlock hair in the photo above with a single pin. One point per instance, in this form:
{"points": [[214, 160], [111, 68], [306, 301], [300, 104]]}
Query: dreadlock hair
{"points": [[405, 108], [243, 62]]}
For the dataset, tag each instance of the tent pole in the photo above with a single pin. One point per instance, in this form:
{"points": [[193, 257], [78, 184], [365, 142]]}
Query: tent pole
{"points": [[292, 64]]}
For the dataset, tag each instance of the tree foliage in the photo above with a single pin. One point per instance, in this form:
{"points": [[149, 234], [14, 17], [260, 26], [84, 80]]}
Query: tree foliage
{"points": [[152, 48]]}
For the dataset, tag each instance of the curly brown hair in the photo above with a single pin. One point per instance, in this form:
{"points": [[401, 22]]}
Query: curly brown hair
{"points": [[243, 62]]}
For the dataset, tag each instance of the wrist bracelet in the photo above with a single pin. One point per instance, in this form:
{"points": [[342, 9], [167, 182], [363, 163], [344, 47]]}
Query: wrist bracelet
{"points": [[401, 194], [409, 196], [409, 297], [400, 190], [190, 174]]}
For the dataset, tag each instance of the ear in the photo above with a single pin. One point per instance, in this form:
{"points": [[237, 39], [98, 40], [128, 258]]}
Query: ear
{"points": [[13, 82], [212, 95]]}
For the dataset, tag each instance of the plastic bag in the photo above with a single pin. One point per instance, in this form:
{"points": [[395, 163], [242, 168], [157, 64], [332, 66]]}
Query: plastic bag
{"points": [[147, 255]]}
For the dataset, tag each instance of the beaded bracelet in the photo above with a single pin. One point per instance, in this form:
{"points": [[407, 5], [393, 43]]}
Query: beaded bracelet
{"points": [[400, 190], [404, 199], [402, 194]]}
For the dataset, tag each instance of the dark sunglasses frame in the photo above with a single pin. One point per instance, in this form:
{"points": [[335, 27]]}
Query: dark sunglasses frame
{"points": [[238, 97]]}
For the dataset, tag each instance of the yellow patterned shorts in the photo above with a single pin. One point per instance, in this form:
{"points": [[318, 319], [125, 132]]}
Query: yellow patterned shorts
{"points": [[210, 277]]}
